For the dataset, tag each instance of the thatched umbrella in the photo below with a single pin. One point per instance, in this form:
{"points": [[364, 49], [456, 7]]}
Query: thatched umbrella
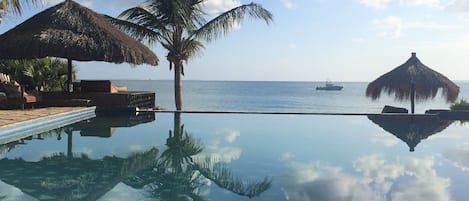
{"points": [[69, 30], [410, 129], [413, 80]]}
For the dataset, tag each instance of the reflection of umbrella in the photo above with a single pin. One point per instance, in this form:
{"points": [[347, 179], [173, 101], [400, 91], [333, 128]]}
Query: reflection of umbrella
{"points": [[78, 178], [413, 80], [410, 129], [69, 30]]}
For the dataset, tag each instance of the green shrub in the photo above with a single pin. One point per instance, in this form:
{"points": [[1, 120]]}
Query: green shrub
{"points": [[461, 105], [47, 73]]}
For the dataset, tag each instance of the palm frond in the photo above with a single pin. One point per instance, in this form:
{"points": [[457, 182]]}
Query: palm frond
{"points": [[135, 30], [225, 22], [142, 17], [224, 178], [11, 6], [192, 47]]}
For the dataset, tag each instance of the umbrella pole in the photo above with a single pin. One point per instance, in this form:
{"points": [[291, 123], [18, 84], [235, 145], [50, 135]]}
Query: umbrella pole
{"points": [[69, 143], [69, 75], [412, 98]]}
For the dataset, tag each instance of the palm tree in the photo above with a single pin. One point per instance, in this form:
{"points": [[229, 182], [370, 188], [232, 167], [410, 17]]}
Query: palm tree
{"points": [[180, 26], [13, 6]]}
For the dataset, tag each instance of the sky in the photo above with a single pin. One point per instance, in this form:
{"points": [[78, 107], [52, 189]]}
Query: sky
{"points": [[309, 40]]}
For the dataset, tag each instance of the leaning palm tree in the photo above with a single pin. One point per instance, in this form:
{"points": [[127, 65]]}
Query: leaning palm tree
{"points": [[13, 6], [181, 26]]}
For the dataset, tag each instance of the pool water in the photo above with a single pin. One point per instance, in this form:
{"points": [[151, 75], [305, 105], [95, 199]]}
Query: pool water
{"points": [[166, 156]]}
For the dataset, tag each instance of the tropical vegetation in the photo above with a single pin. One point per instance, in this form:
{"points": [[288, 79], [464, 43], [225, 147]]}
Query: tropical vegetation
{"points": [[461, 105], [46, 74], [181, 27], [12, 6]]}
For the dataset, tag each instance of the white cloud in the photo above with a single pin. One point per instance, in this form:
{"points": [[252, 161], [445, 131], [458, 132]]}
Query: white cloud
{"points": [[379, 4], [376, 178], [431, 25], [456, 44], [392, 26], [386, 140], [215, 149], [288, 4], [358, 40], [123, 192], [422, 189], [13, 193], [124, 4], [389, 27], [214, 7], [287, 156], [424, 185], [459, 157], [219, 154], [229, 135], [51, 1], [458, 6], [292, 46], [316, 181], [86, 3], [419, 2]]}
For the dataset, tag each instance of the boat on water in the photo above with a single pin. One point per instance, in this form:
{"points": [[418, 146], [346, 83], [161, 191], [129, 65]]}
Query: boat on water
{"points": [[330, 87]]}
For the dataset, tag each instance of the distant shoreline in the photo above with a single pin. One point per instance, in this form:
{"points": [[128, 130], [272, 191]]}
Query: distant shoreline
{"points": [[320, 81]]}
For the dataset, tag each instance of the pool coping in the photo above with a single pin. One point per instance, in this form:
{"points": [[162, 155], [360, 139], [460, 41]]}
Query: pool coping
{"points": [[19, 130]]}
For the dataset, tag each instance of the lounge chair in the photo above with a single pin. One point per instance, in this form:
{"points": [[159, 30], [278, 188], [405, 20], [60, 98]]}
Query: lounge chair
{"points": [[15, 97], [100, 86]]}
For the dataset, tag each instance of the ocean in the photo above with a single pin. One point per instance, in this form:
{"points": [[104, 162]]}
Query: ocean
{"points": [[276, 96], [245, 157]]}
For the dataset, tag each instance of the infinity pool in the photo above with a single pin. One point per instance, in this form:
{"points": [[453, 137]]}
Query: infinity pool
{"points": [[166, 156]]}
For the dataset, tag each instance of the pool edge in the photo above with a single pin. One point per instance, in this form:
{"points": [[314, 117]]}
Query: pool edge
{"points": [[35, 126]]}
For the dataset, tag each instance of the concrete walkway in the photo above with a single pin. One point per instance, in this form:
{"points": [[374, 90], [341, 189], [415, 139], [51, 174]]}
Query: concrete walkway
{"points": [[16, 124]]}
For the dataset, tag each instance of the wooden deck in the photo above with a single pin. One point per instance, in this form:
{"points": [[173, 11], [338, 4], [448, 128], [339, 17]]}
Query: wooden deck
{"points": [[17, 124]]}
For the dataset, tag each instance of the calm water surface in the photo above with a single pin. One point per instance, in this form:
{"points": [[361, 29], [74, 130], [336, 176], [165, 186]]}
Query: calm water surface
{"points": [[234, 157], [278, 96]]}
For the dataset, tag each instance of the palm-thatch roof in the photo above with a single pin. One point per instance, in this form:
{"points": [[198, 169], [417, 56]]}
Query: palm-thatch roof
{"points": [[69, 30], [413, 74], [410, 129]]}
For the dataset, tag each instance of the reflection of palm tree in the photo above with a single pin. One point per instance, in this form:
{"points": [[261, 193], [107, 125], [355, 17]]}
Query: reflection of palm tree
{"points": [[176, 176], [181, 148]]}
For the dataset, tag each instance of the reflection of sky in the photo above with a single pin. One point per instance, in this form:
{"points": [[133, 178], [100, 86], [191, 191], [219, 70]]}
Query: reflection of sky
{"points": [[218, 147], [374, 178], [309, 157], [12, 193], [122, 192]]}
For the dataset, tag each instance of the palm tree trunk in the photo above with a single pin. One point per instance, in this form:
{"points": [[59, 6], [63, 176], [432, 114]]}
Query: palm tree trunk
{"points": [[177, 123], [178, 84]]}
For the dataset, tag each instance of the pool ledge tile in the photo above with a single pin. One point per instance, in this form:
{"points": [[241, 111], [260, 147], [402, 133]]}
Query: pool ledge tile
{"points": [[42, 122]]}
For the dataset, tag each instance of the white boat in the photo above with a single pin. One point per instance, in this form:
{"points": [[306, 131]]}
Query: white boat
{"points": [[330, 87]]}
